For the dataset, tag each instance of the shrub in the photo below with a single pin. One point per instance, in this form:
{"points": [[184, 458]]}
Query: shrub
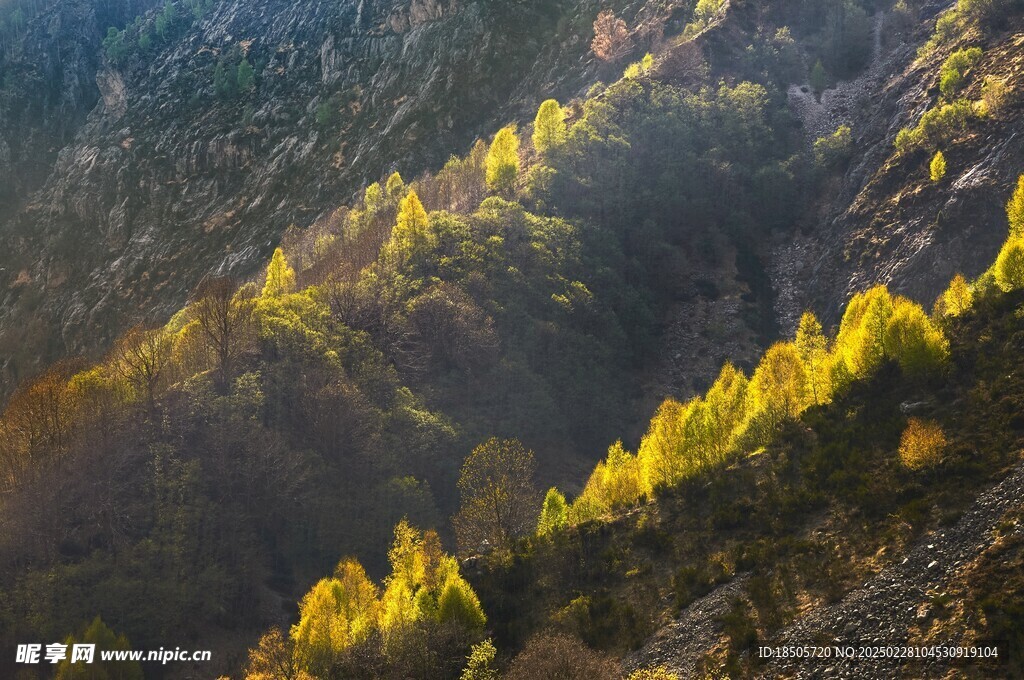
{"points": [[994, 93], [640, 68], [706, 10], [982, 11], [937, 169], [922, 444], [937, 126], [834, 149], [954, 70], [480, 664], [561, 656]]}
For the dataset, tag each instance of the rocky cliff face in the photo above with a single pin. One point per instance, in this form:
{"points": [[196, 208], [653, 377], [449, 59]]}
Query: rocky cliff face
{"points": [[165, 181], [886, 221], [48, 89]]}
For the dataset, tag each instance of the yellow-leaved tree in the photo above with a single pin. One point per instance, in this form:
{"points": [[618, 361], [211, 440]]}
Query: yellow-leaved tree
{"points": [[1015, 209], [878, 327], [937, 168], [412, 235], [347, 609], [395, 186], [958, 298], [337, 613], [860, 343], [725, 411], [779, 390], [913, 340], [662, 453], [1009, 266], [280, 276], [813, 347], [616, 482], [549, 129], [503, 161], [554, 513], [499, 499]]}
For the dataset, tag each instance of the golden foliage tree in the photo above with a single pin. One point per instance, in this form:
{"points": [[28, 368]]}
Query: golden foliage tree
{"points": [[499, 498], [457, 603], [878, 327], [273, 659], [1009, 266], [937, 168], [860, 343], [916, 344], [503, 161], [323, 631], [395, 186], [616, 482], [813, 347], [373, 198], [553, 514], [1015, 209], [958, 297], [779, 388], [280, 276], [549, 129], [36, 426], [725, 411], [99, 634], [348, 611], [412, 234], [922, 444], [662, 455]]}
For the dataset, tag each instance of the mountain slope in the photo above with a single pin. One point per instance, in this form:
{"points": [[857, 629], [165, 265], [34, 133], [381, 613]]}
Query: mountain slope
{"points": [[885, 221], [167, 182], [216, 466]]}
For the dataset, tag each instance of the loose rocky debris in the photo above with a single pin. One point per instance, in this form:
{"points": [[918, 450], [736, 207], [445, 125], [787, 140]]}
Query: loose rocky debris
{"points": [[680, 646], [882, 612], [838, 105]]}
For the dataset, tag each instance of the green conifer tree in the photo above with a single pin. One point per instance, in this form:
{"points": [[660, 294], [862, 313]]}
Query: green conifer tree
{"points": [[245, 78]]}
